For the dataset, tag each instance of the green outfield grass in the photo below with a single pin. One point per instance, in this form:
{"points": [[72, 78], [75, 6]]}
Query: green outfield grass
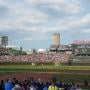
{"points": [[73, 70], [81, 72], [23, 68], [39, 67]]}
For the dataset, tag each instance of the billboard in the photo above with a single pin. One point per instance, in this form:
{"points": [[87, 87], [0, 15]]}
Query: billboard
{"points": [[81, 47], [81, 42]]}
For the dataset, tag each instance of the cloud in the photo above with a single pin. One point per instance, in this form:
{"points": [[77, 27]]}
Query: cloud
{"points": [[86, 31], [80, 22], [63, 6], [3, 12], [34, 19], [21, 12], [86, 19]]}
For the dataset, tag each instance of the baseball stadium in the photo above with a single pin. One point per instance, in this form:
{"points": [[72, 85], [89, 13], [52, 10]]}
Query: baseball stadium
{"points": [[65, 66]]}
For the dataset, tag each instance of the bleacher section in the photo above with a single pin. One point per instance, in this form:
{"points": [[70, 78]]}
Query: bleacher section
{"points": [[40, 57]]}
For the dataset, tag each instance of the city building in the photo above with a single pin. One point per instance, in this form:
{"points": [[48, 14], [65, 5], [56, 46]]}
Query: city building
{"points": [[3, 41], [56, 39], [57, 47]]}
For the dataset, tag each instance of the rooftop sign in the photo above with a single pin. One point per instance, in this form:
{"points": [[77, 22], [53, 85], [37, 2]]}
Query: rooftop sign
{"points": [[81, 42]]}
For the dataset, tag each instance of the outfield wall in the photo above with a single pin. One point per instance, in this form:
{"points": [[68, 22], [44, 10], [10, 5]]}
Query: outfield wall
{"points": [[46, 63]]}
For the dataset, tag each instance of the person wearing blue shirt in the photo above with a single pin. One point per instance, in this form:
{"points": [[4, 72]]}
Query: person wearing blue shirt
{"points": [[45, 87], [8, 85]]}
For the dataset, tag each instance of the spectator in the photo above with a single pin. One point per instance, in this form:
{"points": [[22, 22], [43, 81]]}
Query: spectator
{"points": [[32, 87], [85, 83], [16, 86], [8, 85], [73, 87], [52, 86], [78, 88], [45, 86], [2, 85]]}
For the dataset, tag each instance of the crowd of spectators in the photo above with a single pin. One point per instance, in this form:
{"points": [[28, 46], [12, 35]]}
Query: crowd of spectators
{"points": [[39, 57], [36, 84]]}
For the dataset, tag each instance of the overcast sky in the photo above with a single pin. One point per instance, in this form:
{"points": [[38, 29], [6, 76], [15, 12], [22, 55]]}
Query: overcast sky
{"points": [[31, 23]]}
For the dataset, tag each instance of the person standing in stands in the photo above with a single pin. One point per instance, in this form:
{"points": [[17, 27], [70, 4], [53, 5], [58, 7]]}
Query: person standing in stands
{"points": [[52, 86], [45, 86], [17, 86], [8, 85], [2, 85]]}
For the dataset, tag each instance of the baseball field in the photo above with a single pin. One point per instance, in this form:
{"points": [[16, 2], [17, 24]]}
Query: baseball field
{"points": [[64, 73]]}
